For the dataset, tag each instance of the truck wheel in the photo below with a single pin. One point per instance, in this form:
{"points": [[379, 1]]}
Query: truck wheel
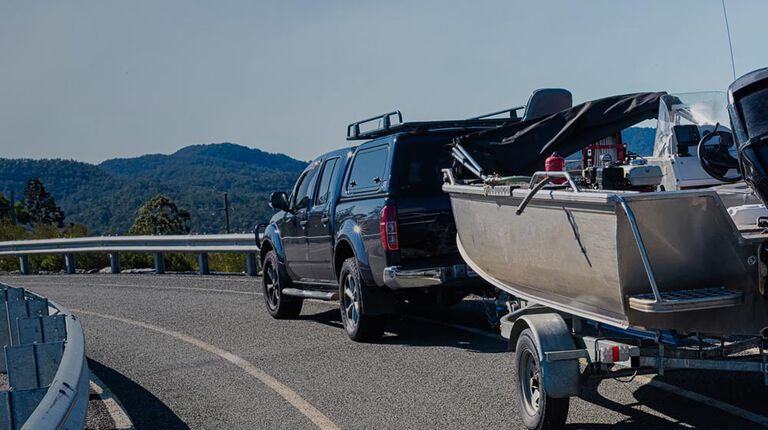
{"points": [[273, 280], [359, 326], [537, 409]]}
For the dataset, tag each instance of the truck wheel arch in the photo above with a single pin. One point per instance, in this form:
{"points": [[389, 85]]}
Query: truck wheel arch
{"points": [[272, 242], [266, 246], [342, 251]]}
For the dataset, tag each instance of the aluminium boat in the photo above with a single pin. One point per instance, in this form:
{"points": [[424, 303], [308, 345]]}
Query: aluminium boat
{"points": [[612, 241]]}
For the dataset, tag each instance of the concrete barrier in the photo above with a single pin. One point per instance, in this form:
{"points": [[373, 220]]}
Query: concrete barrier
{"points": [[43, 353]]}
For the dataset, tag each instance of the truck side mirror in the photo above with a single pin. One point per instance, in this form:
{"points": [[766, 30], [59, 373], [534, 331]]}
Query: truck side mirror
{"points": [[279, 200]]}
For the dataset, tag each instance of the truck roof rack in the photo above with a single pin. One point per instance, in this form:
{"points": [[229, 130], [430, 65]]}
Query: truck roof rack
{"points": [[512, 113], [386, 127]]}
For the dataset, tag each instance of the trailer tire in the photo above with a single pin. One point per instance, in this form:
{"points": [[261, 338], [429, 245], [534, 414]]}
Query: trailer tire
{"points": [[538, 410]]}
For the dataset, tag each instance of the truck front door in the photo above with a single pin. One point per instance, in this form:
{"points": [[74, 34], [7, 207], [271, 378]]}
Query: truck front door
{"points": [[294, 229], [319, 229]]}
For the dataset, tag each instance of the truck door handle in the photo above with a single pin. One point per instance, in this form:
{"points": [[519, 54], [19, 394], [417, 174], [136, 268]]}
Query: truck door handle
{"points": [[303, 223], [325, 220]]}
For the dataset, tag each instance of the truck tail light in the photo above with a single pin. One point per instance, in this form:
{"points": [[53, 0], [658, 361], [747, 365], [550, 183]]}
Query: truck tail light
{"points": [[388, 228]]}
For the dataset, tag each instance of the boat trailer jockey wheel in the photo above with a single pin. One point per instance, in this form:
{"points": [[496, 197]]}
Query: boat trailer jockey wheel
{"points": [[716, 159]]}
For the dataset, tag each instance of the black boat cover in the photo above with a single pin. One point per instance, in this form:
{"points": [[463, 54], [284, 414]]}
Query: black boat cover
{"points": [[521, 148]]}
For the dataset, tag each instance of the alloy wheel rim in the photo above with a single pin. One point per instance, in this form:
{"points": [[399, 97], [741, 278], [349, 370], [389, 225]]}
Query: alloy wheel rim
{"points": [[272, 287], [351, 303], [530, 382]]}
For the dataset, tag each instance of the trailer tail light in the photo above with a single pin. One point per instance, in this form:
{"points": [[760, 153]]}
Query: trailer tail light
{"points": [[388, 228], [614, 353]]}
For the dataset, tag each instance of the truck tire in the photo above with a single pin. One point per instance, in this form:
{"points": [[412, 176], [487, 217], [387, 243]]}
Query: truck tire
{"points": [[360, 327], [273, 280], [536, 408]]}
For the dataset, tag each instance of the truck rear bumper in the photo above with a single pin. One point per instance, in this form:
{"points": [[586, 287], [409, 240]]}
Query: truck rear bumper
{"points": [[398, 277]]}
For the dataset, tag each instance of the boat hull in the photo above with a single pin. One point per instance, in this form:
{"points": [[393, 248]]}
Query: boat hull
{"points": [[575, 252]]}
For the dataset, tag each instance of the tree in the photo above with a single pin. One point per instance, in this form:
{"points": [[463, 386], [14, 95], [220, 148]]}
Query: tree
{"points": [[8, 209], [41, 206], [5, 207], [160, 216]]}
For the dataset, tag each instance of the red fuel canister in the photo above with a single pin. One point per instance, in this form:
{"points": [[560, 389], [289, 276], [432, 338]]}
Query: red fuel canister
{"points": [[555, 163]]}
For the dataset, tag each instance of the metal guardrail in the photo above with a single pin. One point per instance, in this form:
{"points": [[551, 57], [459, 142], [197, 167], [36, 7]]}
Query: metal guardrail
{"points": [[157, 245], [44, 358]]}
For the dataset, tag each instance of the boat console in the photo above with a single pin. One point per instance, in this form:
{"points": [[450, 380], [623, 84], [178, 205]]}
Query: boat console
{"points": [[693, 144]]}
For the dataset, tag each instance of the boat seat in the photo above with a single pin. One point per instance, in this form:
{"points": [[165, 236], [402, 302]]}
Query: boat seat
{"points": [[546, 101], [686, 300]]}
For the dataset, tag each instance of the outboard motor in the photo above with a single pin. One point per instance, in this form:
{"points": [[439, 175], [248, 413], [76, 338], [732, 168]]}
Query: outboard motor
{"points": [[748, 109]]}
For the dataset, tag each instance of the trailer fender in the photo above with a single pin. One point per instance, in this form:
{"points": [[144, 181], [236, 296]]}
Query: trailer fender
{"points": [[556, 348]]}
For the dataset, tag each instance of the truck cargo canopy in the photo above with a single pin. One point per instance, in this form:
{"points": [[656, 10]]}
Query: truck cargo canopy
{"points": [[521, 148]]}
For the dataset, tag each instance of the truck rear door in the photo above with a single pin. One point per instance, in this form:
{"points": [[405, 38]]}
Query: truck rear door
{"points": [[319, 228]]}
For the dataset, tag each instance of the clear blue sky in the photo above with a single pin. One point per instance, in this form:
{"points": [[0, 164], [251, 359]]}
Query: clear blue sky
{"points": [[92, 80]]}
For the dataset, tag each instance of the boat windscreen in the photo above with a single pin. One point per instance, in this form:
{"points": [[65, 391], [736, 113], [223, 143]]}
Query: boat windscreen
{"points": [[521, 148]]}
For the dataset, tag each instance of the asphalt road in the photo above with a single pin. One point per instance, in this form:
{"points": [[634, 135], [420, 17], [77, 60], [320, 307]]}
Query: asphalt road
{"points": [[200, 352]]}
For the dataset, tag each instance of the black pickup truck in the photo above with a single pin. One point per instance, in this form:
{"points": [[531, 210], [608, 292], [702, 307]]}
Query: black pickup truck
{"points": [[370, 226]]}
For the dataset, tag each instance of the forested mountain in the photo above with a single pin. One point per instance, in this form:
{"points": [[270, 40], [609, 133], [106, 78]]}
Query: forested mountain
{"points": [[105, 197]]}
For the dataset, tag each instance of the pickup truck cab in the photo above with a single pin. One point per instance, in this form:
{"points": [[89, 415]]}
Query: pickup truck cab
{"points": [[369, 226]]}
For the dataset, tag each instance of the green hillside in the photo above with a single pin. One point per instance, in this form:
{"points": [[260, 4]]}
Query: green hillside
{"points": [[105, 197]]}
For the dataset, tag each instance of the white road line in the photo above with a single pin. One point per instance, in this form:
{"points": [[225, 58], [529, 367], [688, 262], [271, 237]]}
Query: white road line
{"points": [[292, 397], [690, 395], [149, 287], [161, 287], [114, 407]]}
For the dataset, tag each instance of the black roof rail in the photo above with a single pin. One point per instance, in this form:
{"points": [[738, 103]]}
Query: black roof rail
{"points": [[387, 128], [353, 130], [512, 113]]}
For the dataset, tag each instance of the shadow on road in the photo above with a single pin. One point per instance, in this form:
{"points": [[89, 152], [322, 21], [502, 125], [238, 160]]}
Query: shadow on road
{"points": [[678, 412], [145, 410], [402, 329]]}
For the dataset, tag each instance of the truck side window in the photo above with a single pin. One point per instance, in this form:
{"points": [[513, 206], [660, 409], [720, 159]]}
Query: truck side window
{"points": [[368, 169], [300, 200], [327, 175]]}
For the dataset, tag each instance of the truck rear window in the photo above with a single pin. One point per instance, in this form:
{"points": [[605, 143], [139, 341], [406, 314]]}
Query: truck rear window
{"points": [[418, 168], [368, 169]]}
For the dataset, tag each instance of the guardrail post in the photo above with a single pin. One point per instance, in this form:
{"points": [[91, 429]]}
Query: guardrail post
{"points": [[114, 262], [159, 263], [251, 268], [24, 265], [202, 262], [69, 262]]}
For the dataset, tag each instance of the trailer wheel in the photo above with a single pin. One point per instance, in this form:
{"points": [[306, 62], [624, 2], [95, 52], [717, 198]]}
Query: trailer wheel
{"points": [[537, 409]]}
